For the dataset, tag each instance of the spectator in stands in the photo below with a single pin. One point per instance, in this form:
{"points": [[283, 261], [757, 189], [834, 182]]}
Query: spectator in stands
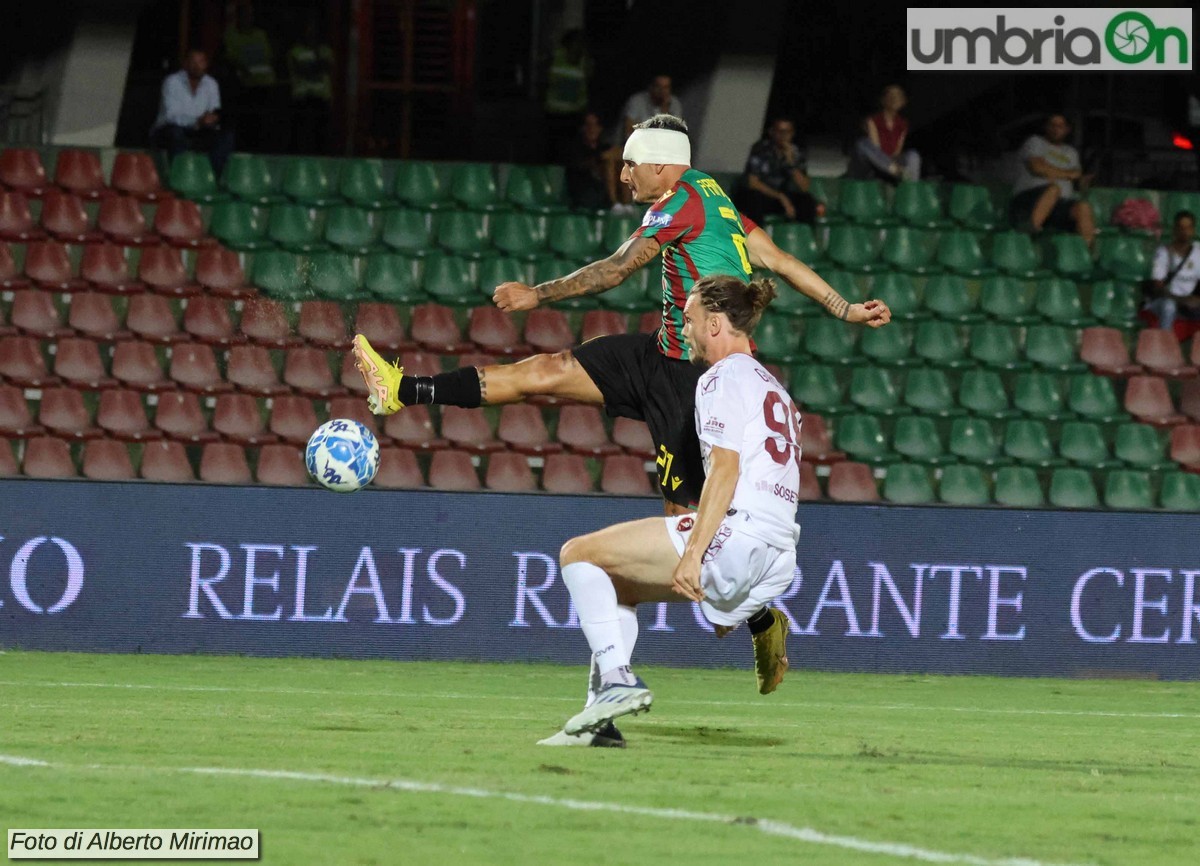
{"points": [[189, 114], [567, 91], [775, 181], [310, 64], [880, 153], [248, 50], [1043, 194], [1174, 274], [589, 167], [643, 105]]}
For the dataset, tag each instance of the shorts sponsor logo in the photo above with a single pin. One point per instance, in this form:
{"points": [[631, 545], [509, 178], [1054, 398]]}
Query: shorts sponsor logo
{"points": [[723, 533], [656, 219]]}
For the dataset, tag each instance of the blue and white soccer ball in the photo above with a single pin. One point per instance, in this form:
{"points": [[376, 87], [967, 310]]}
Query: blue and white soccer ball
{"points": [[342, 455]]}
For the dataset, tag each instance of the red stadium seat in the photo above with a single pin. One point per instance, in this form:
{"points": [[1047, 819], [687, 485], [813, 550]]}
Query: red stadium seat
{"points": [[251, 369], [64, 217], [179, 416], [452, 470], [16, 220], [650, 322], [322, 324], [307, 371], [1189, 398], [509, 472], [46, 457], [194, 366], [224, 463], [282, 465], [567, 473], [413, 428], [79, 171], [16, 421], [852, 482], [810, 487], [239, 418], [355, 409], [162, 270], [137, 365], [548, 331], [134, 174], [1160, 353], [1147, 399], [581, 429], [10, 275], [122, 220], [420, 364], [350, 376], [93, 315], [601, 323], [123, 415], [634, 437], [266, 322], [106, 268], [179, 223], [522, 429], [293, 418], [1185, 446], [21, 169], [37, 314], [398, 469], [381, 325], [493, 330], [208, 320], [166, 461], [434, 328], [48, 264], [77, 362], [1104, 350], [22, 362], [468, 429], [107, 460], [152, 318], [221, 273], [63, 413], [8, 461], [625, 475], [815, 442]]}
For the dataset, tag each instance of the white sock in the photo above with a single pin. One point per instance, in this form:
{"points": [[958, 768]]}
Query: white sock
{"points": [[629, 634], [596, 601]]}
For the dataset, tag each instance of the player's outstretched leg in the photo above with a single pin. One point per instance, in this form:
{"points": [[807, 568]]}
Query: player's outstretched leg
{"points": [[768, 630]]}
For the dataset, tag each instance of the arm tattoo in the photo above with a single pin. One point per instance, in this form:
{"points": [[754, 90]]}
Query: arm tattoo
{"points": [[600, 276], [836, 304]]}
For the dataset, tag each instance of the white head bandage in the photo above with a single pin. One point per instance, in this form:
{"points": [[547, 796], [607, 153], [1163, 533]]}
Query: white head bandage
{"points": [[658, 147]]}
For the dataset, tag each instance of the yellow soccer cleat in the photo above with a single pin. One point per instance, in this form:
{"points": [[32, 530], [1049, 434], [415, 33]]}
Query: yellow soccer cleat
{"points": [[770, 653], [382, 378]]}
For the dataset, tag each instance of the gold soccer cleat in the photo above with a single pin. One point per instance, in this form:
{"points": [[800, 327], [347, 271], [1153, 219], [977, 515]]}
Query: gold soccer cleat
{"points": [[770, 653], [382, 378]]}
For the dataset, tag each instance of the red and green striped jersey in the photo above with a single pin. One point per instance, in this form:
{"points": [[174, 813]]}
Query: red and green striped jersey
{"points": [[702, 234]]}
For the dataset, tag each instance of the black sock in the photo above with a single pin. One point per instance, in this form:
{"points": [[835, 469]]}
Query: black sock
{"points": [[761, 621], [457, 388]]}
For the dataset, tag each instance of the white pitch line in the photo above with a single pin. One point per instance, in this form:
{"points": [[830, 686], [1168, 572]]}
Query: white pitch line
{"points": [[825, 705], [764, 825]]}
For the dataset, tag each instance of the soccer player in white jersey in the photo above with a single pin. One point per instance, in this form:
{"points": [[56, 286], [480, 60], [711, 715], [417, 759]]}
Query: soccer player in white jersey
{"points": [[737, 552]]}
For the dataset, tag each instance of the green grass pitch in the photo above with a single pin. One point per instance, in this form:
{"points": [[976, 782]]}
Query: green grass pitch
{"points": [[413, 763]]}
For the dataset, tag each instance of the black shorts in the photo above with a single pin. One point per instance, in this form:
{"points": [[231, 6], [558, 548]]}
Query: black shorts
{"points": [[642, 383], [1021, 206]]}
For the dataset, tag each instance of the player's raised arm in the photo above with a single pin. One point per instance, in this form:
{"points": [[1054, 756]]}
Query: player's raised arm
{"points": [[763, 253], [591, 279]]}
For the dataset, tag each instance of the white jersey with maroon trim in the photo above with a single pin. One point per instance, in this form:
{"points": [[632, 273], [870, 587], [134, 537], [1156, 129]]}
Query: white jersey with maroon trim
{"points": [[742, 407]]}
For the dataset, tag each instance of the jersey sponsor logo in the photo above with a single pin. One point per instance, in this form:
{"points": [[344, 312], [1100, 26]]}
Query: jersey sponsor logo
{"points": [[656, 219], [709, 385], [685, 524], [714, 425]]}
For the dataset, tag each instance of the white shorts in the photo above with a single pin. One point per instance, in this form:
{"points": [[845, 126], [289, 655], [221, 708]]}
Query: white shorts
{"points": [[739, 573]]}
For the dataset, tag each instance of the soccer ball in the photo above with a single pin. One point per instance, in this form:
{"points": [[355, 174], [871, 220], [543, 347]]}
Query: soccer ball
{"points": [[342, 455]]}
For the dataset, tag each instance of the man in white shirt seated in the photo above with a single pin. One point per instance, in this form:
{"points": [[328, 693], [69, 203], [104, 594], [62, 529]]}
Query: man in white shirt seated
{"points": [[189, 115], [1174, 274]]}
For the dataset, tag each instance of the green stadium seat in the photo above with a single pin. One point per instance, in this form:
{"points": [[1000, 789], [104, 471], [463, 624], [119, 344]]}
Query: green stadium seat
{"points": [[797, 239], [899, 293], [909, 249], [995, 345], [1013, 253], [862, 202], [1141, 446], [1069, 256], [908, 484], [549, 267], [826, 190], [874, 390], [1115, 303], [529, 188], [1007, 299], [618, 229], [916, 438], [407, 231], [1094, 399], [1082, 442], [789, 302], [389, 277], [974, 440], [1059, 302], [474, 186], [1128, 490], [1018, 487], [248, 176], [918, 204], [191, 176], [1071, 487], [350, 229], [890, 345], [295, 227], [815, 388], [777, 339], [418, 185], [948, 297], [573, 236], [851, 247], [360, 182], [1039, 395], [1027, 441], [927, 390], [632, 295], [518, 234], [307, 180], [861, 436], [280, 274], [494, 270], [238, 225], [1123, 256], [1054, 348], [959, 251], [972, 207], [462, 232], [831, 341], [334, 276], [447, 279], [1180, 491], [941, 344], [964, 485]]}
